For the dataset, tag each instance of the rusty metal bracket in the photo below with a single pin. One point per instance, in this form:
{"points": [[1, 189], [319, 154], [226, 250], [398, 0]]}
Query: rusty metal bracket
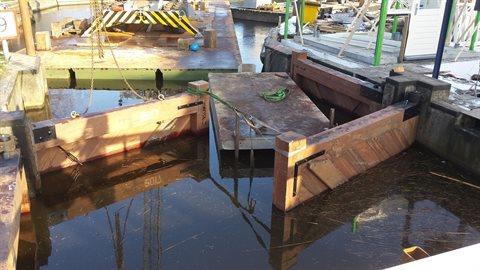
{"points": [[189, 105], [43, 134]]}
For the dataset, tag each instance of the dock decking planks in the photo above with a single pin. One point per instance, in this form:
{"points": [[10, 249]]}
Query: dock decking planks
{"points": [[296, 113]]}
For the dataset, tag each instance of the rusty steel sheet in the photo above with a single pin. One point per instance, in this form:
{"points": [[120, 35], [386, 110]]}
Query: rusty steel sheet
{"points": [[295, 113]]}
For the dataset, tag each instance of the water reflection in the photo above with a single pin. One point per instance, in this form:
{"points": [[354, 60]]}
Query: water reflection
{"points": [[366, 223], [62, 101], [250, 36], [168, 207]]}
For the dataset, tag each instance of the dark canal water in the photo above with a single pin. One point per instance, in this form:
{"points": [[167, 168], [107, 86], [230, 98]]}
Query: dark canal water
{"points": [[173, 206]]}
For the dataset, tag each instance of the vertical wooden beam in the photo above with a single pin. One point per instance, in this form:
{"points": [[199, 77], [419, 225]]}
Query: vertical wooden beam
{"points": [[27, 27], [289, 148], [296, 56], [199, 120], [403, 45]]}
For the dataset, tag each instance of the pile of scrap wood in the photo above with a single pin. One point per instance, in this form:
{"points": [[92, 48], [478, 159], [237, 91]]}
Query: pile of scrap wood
{"points": [[330, 27], [68, 26], [272, 7]]}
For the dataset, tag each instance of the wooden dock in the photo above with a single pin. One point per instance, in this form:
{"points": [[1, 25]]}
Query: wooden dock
{"points": [[297, 112]]}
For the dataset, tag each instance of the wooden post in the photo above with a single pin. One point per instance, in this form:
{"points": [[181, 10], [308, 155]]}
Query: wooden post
{"points": [[27, 27], [403, 45], [289, 148], [332, 117], [210, 38], [296, 56], [199, 120]]}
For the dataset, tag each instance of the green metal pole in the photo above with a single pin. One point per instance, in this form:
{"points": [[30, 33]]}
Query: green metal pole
{"points": [[450, 22], [395, 18], [474, 36], [287, 17], [302, 14], [380, 32]]}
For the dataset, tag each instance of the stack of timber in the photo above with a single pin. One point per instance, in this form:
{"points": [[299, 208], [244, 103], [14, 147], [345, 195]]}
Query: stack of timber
{"points": [[62, 143]]}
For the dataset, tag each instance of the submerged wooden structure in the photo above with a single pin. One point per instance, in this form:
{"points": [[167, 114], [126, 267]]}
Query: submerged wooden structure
{"points": [[62, 143]]}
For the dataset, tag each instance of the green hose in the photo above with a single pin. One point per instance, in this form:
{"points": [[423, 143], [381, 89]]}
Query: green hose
{"points": [[275, 96]]}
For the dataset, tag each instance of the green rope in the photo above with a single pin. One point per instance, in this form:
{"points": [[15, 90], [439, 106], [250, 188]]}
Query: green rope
{"points": [[275, 96], [198, 92], [249, 119]]}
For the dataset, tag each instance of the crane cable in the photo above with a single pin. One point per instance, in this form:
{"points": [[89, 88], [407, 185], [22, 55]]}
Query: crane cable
{"points": [[97, 20]]}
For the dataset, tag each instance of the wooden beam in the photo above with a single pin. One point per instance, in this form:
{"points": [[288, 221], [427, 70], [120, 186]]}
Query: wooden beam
{"points": [[331, 85], [306, 167], [117, 130]]}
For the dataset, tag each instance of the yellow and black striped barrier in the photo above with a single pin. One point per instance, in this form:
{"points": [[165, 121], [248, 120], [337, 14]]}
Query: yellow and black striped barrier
{"points": [[167, 18]]}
